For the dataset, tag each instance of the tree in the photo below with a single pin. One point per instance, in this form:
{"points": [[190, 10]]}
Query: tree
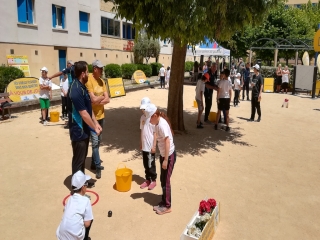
{"points": [[145, 47], [188, 22]]}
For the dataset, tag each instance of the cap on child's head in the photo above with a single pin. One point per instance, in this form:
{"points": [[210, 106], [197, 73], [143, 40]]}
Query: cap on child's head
{"points": [[238, 75], [205, 77], [44, 69], [144, 102], [79, 179], [150, 110]]}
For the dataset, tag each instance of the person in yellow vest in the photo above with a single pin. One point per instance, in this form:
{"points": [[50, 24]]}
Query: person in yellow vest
{"points": [[99, 97]]}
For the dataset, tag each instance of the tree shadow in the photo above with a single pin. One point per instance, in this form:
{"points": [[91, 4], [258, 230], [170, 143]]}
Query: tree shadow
{"points": [[148, 197], [122, 134]]}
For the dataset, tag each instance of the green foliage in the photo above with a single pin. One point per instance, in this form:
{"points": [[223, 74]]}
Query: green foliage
{"points": [[112, 70], [145, 68], [7, 75], [188, 66], [145, 47], [128, 69], [90, 68], [270, 72], [155, 68]]}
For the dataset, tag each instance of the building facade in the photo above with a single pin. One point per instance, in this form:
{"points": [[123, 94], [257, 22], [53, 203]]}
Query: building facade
{"points": [[53, 31], [297, 3]]}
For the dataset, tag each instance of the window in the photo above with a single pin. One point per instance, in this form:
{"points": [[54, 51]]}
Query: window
{"points": [[25, 11], [297, 5], [58, 17], [128, 32], [110, 27], [84, 21]]}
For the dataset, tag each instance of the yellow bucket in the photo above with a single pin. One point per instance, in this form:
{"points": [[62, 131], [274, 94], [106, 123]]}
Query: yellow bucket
{"points": [[123, 178], [212, 116], [195, 104], [54, 116]]}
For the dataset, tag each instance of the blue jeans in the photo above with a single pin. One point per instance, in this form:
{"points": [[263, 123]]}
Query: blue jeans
{"points": [[95, 145]]}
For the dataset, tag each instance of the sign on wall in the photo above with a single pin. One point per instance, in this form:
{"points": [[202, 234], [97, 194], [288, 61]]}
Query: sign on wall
{"points": [[116, 87], [23, 89], [20, 62], [139, 76]]}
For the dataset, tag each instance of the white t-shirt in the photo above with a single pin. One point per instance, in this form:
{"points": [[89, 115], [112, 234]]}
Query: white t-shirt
{"points": [[147, 130], [200, 88], [237, 84], [285, 76], [162, 71], [163, 130], [44, 93], [168, 75], [64, 85], [77, 210], [224, 86]]}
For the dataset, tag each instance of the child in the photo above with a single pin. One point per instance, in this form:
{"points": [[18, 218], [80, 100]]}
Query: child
{"points": [[199, 96], [166, 146], [45, 94], [148, 147], [237, 88], [77, 217], [168, 76], [223, 97], [64, 85]]}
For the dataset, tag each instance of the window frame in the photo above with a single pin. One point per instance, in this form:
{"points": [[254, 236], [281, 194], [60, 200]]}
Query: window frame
{"points": [[26, 18], [132, 31], [88, 22], [106, 21]]}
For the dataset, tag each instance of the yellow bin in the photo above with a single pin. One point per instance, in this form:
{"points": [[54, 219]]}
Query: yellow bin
{"points": [[195, 104], [123, 178], [212, 116], [54, 116]]}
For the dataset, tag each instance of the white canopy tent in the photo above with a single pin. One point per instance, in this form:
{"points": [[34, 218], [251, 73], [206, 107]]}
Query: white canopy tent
{"points": [[208, 49]]}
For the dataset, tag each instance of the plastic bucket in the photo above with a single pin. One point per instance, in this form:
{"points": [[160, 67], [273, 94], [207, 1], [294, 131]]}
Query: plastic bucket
{"points": [[195, 104], [212, 116], [54, 116], [123, 178]]}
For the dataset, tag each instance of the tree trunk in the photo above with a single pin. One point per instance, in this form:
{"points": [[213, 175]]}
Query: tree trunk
{"points": [[175, 97]]}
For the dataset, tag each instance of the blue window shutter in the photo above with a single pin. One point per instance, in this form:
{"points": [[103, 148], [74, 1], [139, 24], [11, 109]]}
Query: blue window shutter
{"points": [[63, 17], [30, 11], [123, 31], [54, 16], [83, 21], [129, 31], [22, 11]]}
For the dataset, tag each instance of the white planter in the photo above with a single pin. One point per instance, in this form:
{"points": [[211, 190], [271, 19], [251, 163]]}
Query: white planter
{"points": [[210, 228]]}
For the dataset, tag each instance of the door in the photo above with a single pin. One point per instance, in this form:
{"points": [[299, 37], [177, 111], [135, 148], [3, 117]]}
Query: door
{"points": [[62, 59]]}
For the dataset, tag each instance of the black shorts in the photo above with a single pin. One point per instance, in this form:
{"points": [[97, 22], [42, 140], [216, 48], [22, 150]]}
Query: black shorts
{"points": [[224, 104], [279, 80], [285, 85]]}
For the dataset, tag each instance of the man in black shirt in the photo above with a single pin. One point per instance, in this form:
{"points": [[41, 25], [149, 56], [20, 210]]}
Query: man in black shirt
{"points": [[209, 91], [257, 86], [246, 80]]}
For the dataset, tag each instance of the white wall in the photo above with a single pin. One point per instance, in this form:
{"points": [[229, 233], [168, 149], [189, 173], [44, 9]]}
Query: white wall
{"points": [[43, 34]]}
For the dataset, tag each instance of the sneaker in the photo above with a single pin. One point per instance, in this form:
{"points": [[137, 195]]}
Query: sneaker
{"points": [[215, 127], [199, 126], [155, 208], [259, 119], [227, 129], [163, 210], [152, 185], [45, 123], [145, 184]]}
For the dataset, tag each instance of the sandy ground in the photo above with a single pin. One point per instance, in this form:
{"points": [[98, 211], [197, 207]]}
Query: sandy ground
{"points": [[266, 175]]}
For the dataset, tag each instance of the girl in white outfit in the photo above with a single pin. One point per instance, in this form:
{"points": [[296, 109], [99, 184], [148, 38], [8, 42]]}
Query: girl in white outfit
{"points": [[285, 79]]}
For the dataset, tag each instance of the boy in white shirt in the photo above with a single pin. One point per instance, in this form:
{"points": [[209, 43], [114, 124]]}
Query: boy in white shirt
{"points": [[162, 74], [237, 89], [45, 94], [199, 96], [223, 97], [64, 85], [77, 217], [148, 147]]}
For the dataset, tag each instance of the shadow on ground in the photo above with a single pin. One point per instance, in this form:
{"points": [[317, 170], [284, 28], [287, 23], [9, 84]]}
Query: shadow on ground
{"points": [[122, 133], [148, 197]]}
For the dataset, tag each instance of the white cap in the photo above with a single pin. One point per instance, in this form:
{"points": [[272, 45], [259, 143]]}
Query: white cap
{"points": [[162, 65], [44, 69], [144, 102], [238, 75], [79, 179], [256, 67], [97, 63], [150, 110], [70, 62]]}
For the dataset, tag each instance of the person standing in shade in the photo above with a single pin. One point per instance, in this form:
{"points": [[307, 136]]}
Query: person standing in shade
{"points": [[81, 120], [99, 97], [246, 81], [285, 79], [64, 85], [279, 78], [237, 89], [195, 71], [162, 74], [168, 72], [45, 94], [257, 86], [208, 91], [199, 96]]}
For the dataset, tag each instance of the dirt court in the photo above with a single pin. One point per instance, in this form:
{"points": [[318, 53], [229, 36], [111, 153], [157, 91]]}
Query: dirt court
{"points": [[266, 175]]}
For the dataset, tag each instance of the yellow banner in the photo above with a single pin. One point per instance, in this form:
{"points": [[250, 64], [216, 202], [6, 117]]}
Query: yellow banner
{"points": [[268, 85], [139, 76], [116, 87], [20, 62], [23, 89]]}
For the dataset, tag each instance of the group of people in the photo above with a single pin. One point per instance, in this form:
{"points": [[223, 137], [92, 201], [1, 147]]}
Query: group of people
{"points": [[282, 79], [164, 75], [208, 82]]}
